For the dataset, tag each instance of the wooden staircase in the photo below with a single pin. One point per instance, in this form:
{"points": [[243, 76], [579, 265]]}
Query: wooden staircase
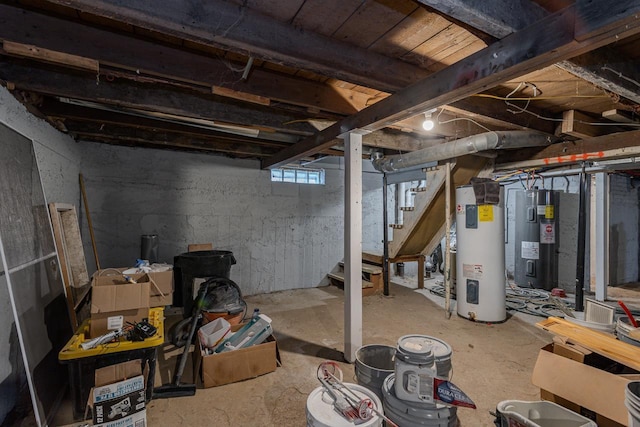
{"points": [[371, 278], [424, 225]]}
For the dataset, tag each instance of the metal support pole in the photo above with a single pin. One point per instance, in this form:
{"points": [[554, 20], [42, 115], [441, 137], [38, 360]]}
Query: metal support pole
{"points": [[447, 250], [601, 220], [582, 231], [385, 243], [352, 245]]}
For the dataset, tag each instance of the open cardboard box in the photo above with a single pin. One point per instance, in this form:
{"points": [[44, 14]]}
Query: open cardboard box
{"points": [[564, 376], [114, 302], [160, 290], [213, 370]]}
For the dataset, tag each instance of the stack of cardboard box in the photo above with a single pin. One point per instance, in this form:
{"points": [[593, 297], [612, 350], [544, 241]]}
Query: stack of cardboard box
{"points": [[118, 299]]}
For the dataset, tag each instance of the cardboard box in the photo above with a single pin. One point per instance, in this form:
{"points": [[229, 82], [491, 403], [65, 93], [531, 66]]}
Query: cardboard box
{"points": [[160, 290], [119, 395], [585, 389], [218, 369], [115, 302]]}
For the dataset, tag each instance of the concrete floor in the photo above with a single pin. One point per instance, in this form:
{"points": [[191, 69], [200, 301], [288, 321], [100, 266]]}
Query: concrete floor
{"points": [[491, 363]]}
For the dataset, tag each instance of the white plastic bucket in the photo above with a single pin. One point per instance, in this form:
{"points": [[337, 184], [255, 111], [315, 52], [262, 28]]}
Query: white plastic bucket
{"points": [[321, 413], [632, 402], [374, 363], [539, 414], [623, 327]]}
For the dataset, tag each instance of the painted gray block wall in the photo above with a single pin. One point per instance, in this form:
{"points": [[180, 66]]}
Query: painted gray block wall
{"points": [[623, 229], [58, 158], [283, 235], [568, 232]]}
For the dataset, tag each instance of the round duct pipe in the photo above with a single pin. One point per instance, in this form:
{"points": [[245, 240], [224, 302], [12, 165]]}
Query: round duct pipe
{"points": [[461, 147]]}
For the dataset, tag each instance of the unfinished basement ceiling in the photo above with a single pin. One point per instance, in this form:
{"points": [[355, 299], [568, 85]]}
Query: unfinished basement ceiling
{"points": [[250, 78]]}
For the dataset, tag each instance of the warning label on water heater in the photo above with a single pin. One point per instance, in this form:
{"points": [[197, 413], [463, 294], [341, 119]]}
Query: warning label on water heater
{"points": [[485, 213], [547, 233], [530, 250], [472, 271]]}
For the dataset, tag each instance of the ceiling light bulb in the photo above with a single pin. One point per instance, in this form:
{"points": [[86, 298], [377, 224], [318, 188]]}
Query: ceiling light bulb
{"points": [[428, 124]]}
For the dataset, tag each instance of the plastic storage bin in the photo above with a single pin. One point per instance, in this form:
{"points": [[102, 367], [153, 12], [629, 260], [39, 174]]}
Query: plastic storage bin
{"points": [[539, 414], [82, 364], [211, 333]]}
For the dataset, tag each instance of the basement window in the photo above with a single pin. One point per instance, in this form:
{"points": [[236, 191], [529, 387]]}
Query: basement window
{"points": [[299, 176]]}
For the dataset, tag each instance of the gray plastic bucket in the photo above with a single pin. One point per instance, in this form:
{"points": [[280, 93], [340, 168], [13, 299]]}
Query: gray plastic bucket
{"points": [[441, 352], [415, 414], [374, 363]]}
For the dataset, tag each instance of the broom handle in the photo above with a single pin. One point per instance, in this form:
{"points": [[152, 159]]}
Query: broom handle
{"points": [[89, 223]]}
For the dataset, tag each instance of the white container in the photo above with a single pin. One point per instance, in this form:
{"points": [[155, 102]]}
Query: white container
{"points": [[321, 413], [632, 402], [415, 414], [255, 332], [480, 278], [415, 368], [539, 414], [623, 327], [211, 333]]}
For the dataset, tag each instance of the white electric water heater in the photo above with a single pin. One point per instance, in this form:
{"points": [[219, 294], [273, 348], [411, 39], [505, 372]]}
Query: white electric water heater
{"points": [[480, 270]]}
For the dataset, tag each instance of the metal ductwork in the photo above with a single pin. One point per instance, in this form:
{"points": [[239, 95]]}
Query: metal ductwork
{"points": [[462, 147]]}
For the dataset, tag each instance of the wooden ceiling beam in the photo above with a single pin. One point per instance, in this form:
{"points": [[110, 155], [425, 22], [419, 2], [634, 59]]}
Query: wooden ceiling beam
{"points": [[145, 58], [236, 28], [499, 19], [548, 41], [608, 70], [175, 143], [494, 17], [612, 146], [146, 97], [69, 113], [495, 112]]}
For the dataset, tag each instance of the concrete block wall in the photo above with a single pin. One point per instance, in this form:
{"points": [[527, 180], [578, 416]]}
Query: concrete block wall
{"points": [[58, 159], [623, 229], [283, 235]]}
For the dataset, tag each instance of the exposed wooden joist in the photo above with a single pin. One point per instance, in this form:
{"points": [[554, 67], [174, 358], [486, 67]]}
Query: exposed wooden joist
{"points": [[139, 60], [51, 56], [237, 28], [544, 43], [495, 112], [607, 70], [76, 114], [113, 132], [612, 146], [620, 116], [180, 145], [494, 17], [145, 97], [576, 124], [499, 19], [145, 58]]}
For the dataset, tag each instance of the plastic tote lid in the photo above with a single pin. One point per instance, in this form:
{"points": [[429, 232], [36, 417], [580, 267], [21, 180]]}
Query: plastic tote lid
{"points": [[416, 349]]}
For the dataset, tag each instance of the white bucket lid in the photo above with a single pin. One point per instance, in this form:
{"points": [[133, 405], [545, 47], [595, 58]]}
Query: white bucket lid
{"points": [[321, 412], [421, 345]]}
